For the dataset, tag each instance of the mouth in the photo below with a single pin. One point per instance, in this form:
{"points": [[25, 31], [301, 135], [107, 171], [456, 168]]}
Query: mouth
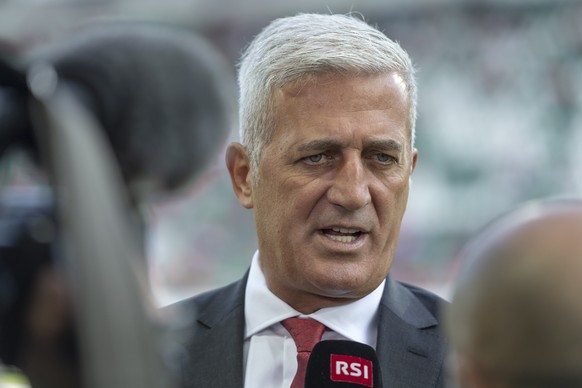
{"points": [[344, 235]]}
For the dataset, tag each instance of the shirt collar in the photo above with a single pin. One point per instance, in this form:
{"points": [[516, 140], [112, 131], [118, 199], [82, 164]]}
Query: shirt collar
{"points": [[356, 321]]}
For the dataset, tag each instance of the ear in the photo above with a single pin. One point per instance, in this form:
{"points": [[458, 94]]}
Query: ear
{"points": [[239, 167], [414, 160]]}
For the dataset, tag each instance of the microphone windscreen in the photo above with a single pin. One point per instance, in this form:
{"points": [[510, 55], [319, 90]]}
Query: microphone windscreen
{"points": [[10, 76], [163, 96], [14, 124], [345, 364]]}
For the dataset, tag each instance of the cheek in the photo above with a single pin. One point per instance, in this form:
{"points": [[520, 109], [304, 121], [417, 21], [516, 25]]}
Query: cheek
{"points": [[293, 195], [401, 196], [391, 199], [272, 200], [272, 206]]}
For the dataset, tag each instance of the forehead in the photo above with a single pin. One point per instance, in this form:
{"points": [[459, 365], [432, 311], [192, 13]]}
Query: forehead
{"points": [[334, 102], [383, 90]]}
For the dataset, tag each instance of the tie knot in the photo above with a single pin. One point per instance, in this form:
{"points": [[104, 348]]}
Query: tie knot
{"points": [[306, 332]]}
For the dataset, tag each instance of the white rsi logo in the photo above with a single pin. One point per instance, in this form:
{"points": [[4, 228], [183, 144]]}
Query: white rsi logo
{"points": [[351, 369]]}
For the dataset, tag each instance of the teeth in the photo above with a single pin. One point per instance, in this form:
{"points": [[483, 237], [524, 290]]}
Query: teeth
{"points": [[345, 230], [344, 239]]}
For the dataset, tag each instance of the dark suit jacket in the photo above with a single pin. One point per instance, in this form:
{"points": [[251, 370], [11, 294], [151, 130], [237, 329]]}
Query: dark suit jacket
{"points": [[410, 346]]}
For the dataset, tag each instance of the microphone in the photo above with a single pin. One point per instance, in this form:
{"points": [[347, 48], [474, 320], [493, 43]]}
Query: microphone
{"points": [[336, 363], [150, 102], [163, 97], [14, 120]]}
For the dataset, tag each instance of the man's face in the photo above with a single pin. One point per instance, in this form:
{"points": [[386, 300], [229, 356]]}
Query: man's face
{"points": [[332, 188]]}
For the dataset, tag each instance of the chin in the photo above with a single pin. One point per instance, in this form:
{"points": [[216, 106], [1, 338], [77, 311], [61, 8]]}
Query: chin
{"points": [[349, 288]]}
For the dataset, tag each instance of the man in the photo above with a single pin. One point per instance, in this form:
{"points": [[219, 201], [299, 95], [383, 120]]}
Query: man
{"points": [[516, 317], [327, 112]]}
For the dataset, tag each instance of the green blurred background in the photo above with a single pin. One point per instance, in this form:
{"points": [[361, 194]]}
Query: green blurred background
{"points": [[500, 121]]}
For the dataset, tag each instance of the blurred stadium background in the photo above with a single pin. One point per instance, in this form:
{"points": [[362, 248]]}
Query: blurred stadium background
{"points": [[500, 121]]}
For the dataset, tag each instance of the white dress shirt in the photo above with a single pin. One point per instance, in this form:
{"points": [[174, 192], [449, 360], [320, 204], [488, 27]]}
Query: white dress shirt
{"points": [[270, 355]]}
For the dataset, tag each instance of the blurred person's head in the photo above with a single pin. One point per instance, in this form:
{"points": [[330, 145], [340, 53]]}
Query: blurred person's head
{"points": [[516, 317], [327, 114]]}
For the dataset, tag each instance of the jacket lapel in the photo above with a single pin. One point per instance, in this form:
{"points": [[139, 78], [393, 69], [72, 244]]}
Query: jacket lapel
{"points": [[214, 354], [410, 347]]}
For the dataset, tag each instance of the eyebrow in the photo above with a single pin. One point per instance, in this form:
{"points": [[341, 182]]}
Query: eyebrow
{"points": [[325, 144], [388, 145], [318, 145]]}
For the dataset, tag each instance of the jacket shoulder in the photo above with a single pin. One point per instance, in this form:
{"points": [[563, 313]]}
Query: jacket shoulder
{"points": [[212, 305], [205, 341], [431, 301]]}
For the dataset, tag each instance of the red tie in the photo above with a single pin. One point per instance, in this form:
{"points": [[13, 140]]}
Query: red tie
{"points": [[306, 333]]}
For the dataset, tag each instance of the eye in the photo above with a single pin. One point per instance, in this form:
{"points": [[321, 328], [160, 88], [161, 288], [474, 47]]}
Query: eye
{"points": [[314, 158], [384, 158]]}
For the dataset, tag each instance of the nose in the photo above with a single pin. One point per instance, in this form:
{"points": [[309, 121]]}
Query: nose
{"points": [[350, 188]]}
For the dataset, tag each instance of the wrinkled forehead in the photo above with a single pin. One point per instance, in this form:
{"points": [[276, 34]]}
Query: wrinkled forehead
{"points": [[387, 91], [300, 86]]}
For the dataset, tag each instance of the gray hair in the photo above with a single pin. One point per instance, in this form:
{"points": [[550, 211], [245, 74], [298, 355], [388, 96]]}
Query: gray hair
{"points": [[295, 47]]}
